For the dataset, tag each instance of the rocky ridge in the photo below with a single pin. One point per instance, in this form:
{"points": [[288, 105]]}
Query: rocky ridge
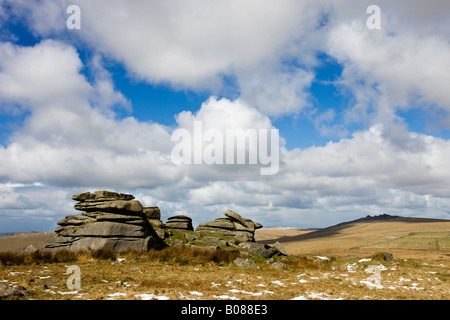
{"points": [[119, 222]]}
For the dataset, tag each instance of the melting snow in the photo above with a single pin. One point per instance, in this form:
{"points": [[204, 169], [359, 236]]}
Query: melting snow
{"points": [[255, 294], [68, 292], [300, 298], [224, 296], [117, 294], [151, 296]]}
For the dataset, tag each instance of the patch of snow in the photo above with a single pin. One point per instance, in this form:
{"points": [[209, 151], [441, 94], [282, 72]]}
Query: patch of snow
{"points": [[351, 267], [151, 296], [255, 294], [371, 284], [68, 292], [403, 279], [225, 297], [300, 298], [117, 294], [303, 281]]}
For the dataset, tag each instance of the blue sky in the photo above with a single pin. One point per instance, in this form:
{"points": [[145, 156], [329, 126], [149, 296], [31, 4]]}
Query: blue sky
{"points": [[362, 114]]}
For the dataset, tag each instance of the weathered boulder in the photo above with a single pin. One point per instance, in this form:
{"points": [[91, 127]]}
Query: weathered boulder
{"points": [[261, 249], [214, 241], [386, 256], [280, 248], [152, 212], [233, 225], [112, 220], [244, 263], [180, 223], [278, 265]]}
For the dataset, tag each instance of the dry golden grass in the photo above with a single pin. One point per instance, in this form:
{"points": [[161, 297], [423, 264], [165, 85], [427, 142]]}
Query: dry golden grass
{"points": [[320, 268], [424, 240], [19, 241], [309, 277]]}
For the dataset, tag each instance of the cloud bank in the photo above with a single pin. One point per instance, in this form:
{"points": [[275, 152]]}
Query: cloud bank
{"points": [[265, 54]]}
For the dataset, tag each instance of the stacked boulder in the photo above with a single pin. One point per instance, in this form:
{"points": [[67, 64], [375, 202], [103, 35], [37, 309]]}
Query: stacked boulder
{"points": [[233, 226], [180, 223], [111, 220], [153, 215]]}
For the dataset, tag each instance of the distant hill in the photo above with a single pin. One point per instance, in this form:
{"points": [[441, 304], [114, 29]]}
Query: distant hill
{"points": [[403, 235], [17, 241], [329, 231]]}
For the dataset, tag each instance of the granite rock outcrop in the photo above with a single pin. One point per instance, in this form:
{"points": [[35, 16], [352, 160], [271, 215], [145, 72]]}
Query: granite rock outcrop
{"points": [[233, 225], [180, 223], [111, 220]]}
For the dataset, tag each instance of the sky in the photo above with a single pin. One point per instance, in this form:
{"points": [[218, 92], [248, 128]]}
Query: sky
{"points": [[359, 99]]}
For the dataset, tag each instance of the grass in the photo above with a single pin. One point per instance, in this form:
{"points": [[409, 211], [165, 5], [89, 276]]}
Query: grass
{"points": [[192, 256], [405, 239], [173, 255], [37, 257], [160, 274], [194, 273]]}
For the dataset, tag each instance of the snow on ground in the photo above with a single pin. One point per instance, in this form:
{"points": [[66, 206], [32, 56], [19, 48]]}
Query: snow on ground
{"points": [[151, 296]]}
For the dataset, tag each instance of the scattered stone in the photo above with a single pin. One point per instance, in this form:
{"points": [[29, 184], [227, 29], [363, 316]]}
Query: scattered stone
{"points": [[208, 248], [278, 265], [190, 237], [261, 249], [278, 246], [244, 263], [214, 241], [386, 256], [176, 242], [30, 249], [7, 291]]}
